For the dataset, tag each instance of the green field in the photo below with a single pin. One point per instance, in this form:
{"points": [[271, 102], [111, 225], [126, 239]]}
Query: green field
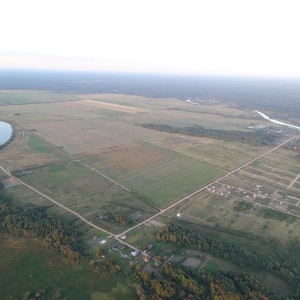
{"points": [[85, 191], [158, 175], [222, 154], [27, 266], [17, 97]]}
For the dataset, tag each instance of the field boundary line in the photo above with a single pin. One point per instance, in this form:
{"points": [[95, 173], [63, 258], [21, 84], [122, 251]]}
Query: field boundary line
{"points": [[120, 185], [263, 178], [265, 184], [206, 186], [293, 181], [259, 204], [273, 168], [268, 197], [270, 173], [75, 214], [55, 202]]}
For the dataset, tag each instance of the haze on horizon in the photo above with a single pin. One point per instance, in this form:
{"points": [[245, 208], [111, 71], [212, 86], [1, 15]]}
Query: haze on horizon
{"points": [[248, 38]]}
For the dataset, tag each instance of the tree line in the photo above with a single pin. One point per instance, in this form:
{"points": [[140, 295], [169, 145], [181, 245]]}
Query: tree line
{"points": [[53, 233], [256, 138], [288, 268], [175, 282]]}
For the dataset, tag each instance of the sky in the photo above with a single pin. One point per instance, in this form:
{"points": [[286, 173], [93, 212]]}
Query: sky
{"points": [[224, 37]]}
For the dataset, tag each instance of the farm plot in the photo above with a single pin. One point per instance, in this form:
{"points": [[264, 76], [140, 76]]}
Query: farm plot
{"points": [[28, 151], [284, 160], [46, 112], [156, 174], [168, 103], [92, 104], [87, 193], [133, 100], [221, 212], [76, 136], [222, 154], [269, 183], [260, 199]]}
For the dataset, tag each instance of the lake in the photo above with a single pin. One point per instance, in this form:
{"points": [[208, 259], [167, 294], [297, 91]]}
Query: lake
{"points": [[5, 132]]}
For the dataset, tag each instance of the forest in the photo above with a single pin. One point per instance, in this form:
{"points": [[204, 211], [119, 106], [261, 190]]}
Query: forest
{"points": [[287, 266], [174, 282]]}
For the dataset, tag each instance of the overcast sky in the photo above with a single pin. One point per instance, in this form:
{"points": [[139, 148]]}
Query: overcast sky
{"points": [[234, 37]]}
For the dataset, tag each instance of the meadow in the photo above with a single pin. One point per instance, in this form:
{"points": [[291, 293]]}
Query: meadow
{"points": [[222, 154], [16, 97], [86, 192], [27, 266], [158, 175]]}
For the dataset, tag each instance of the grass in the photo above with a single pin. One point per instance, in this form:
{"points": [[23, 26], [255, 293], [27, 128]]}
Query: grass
{"points": [[85, 191], [28, 151], [16, 97], [218, 212], [39, 145], [179, 118], [25, 267], [222, 154], [158, 175]]}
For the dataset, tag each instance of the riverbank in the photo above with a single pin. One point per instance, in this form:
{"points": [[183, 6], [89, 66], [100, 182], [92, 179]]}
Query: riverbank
{"points": [[277, 122]]}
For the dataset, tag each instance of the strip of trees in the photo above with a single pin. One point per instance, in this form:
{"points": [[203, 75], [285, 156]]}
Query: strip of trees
{"points": [[256, 138], [174, 282], [288, 267]]}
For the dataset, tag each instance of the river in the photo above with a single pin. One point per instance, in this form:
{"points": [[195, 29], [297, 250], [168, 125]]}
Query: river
{"points": [[277, 122], [5, 132]]}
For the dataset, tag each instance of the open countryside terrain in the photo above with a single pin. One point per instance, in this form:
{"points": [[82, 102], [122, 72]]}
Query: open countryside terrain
{"points": [[261, 199], [80, 141], [91, 154]]}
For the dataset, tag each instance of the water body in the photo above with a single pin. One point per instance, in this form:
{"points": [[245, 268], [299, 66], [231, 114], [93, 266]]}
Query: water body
{"points": [[5, 132], [277, 122]]}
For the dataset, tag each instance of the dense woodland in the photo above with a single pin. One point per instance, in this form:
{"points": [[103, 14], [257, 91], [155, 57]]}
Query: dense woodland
{"points": [[287, 266], [173, 282], [257, 138]]}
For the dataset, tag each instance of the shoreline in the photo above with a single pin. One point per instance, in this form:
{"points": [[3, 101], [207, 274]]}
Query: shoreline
{"points": [[277, 122], [11, 136]]}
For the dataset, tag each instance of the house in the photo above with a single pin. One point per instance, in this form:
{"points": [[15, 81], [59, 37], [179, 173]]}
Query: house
{"points": [[123, 236], [146, 259], [134, 253]]}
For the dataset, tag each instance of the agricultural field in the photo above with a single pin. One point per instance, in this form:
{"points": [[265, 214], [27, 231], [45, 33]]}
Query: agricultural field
{"points": [[87, 193], [182, 118], [158, 175], [76, 136], [90, 154], [222, 154], [261, 199], [16, 97], [100, 134]]}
